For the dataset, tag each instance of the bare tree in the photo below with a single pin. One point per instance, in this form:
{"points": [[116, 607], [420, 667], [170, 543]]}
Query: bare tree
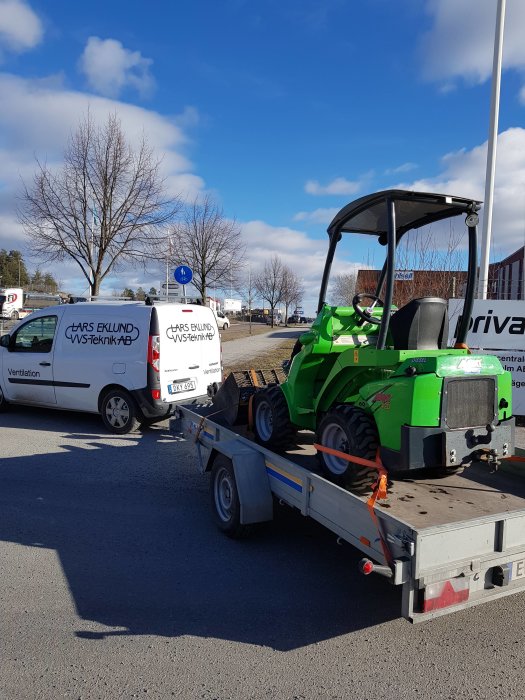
{"points": [[269, 283], [343, 289], [247, 289], [292, 290], [105, 207], [210, 245]]}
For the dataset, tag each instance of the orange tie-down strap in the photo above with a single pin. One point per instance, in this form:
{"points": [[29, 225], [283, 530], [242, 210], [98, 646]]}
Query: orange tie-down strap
{"points": [[379, 489]]}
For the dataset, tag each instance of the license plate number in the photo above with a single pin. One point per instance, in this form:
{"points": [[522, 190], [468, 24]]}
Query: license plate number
{"points": [[178, 387], [518, 569]]}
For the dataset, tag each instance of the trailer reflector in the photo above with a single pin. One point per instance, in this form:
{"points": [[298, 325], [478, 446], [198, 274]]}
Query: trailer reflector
{"points": [[442, 594]]}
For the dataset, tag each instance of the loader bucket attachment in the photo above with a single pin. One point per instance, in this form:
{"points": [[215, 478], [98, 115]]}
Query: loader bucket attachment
{"points": [[233, 396]]}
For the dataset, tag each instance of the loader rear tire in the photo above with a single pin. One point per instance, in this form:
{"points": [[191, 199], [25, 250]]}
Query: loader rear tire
{"points": [[348, 429], [271, 419]]}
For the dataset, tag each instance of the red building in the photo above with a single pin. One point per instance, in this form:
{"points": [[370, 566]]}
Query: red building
{"points": [[506, 277]]}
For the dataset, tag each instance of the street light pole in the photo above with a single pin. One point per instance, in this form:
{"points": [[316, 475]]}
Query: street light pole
{"points": [[491, 152]]}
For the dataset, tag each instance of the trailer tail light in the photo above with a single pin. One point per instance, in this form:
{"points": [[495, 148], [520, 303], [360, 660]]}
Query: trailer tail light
{"points": [[154, 351], [442, 594]]}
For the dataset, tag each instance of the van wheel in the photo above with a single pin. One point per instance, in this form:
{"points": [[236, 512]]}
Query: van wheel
{"points": [[3, 402], [225, 502], [118, 411], [15, 315]]}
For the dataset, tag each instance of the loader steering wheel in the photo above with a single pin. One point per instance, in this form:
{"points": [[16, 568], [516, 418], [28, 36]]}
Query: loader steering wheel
{"points": [[365, 314]]}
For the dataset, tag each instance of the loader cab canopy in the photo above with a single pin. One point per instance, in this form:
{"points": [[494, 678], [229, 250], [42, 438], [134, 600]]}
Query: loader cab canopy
{"points": [[370, 214], [389, 215]]}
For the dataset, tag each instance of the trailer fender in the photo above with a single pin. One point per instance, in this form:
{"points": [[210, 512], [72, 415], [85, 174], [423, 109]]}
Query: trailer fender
{"points": [[251, 479]]}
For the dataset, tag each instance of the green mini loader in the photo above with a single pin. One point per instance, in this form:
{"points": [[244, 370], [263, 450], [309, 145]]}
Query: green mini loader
{"points": [[379, 382]]}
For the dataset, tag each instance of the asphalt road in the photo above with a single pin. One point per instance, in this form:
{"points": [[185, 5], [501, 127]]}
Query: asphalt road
{"points": [[116, 584]]}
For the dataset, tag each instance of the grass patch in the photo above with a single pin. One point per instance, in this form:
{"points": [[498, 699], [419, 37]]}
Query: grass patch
{"points": [[242, 330], [271, 359]]}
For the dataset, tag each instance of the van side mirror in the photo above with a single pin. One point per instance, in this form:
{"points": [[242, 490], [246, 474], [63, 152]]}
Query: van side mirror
{"points": [[5, 340]]}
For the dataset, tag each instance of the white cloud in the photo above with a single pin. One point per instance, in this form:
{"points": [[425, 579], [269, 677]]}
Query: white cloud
{"points": [[403, 168], [36, 119], [338, 186], [20, 27], [464, 175], [460, 43], [303, 254], [318, 216], [110, 68]]}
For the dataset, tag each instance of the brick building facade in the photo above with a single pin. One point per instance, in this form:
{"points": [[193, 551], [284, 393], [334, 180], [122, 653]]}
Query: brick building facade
{"points": [[506, 277]]}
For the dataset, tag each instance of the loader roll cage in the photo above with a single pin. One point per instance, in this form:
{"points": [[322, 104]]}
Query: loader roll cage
{"points": [[389, 215]]}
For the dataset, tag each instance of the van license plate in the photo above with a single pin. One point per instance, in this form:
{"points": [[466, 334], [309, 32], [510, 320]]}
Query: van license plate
{"points": [[518, 569], [178, 387]]}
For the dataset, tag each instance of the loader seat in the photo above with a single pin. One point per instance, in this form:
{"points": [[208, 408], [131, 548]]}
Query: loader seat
{"points": [[422, 324]]}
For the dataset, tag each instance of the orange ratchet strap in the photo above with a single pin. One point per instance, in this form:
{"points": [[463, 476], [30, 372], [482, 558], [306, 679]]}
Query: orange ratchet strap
{"points": [[379, 489]]}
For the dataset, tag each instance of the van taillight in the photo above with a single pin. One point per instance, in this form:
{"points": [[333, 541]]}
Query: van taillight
{"points": [[154, 351]]}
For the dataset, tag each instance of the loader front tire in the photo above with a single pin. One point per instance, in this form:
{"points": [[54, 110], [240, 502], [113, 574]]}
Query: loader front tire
{"points": [[271, 420], [348, 429]]}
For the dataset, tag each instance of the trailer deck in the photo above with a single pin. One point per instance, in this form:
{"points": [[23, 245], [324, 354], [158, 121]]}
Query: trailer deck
{"points": [[451, 542]]}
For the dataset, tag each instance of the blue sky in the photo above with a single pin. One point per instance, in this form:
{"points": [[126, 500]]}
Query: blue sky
{"points": [[283, 110]]}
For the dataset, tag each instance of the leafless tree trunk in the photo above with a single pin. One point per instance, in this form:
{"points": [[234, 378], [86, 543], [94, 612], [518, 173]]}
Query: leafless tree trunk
{"points": [[292, 291], [269, 283], [247, 289], [105, 207], [210, 245]]}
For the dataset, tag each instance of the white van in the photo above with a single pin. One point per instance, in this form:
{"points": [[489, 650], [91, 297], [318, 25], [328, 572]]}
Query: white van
{"points": [[128, 361]]}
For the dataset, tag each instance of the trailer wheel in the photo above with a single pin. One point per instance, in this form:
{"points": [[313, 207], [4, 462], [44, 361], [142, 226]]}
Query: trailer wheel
{"points": [[118, 412], [271, 420], [348, 429], [225, 503]]}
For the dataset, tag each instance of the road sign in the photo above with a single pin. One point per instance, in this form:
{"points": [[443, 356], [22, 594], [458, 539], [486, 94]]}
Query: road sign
{"points": [[404, 275], [183, 274], [170, 285]]}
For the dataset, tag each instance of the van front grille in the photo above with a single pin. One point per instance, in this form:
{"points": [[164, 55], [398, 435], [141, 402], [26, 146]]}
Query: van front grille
{"points": [[469, 402]]}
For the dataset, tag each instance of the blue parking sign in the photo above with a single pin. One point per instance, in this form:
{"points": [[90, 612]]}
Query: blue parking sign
{"points": [[183, 274]]}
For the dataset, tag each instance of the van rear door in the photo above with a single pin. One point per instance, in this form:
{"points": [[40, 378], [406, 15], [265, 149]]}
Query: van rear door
{"points": [[190, 351]]}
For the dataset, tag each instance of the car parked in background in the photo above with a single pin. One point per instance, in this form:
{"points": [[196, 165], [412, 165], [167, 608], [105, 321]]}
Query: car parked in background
{"points": [[222, 321]]}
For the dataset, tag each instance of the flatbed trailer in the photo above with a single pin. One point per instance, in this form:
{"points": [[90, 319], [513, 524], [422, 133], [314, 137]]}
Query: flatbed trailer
{"points": [[451, 542]]}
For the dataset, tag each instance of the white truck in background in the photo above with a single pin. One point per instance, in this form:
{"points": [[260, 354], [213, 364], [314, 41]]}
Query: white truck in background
{"points": [[16, 304], [11, 302]]}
